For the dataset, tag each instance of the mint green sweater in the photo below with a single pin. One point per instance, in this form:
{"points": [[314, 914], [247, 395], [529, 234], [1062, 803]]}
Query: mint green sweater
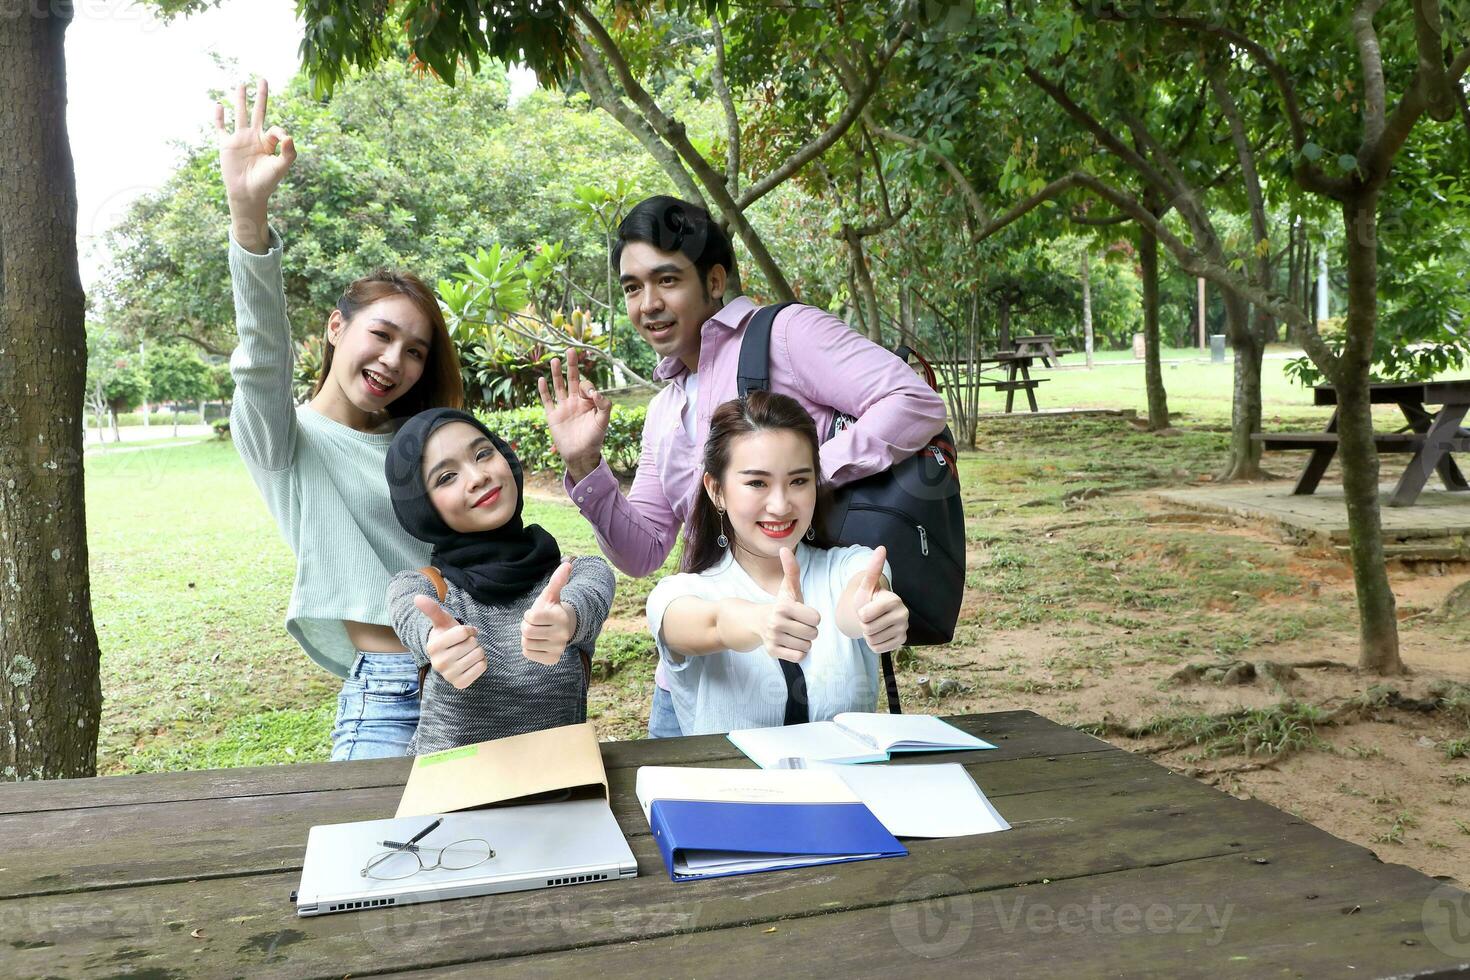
{"points": [[323, 481]]}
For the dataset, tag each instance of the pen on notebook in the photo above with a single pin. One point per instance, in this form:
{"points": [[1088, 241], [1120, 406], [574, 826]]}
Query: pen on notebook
{"points": [[415, 838]]}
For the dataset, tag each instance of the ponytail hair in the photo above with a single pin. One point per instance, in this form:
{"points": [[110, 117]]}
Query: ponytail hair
{"points": [[760, 411]]}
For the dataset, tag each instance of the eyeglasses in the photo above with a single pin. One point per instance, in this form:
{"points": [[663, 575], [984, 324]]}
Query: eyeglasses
{"points": [[403, 860]]}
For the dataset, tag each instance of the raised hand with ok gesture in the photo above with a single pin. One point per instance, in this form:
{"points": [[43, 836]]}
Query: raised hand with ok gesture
{"points": [[881, 615], [548, 626], [790, 625], [577, 415], [250, 166], [453, 649]]}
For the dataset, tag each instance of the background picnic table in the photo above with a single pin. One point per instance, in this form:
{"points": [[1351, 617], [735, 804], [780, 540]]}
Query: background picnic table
{"points": [[1114, 865], [1433, 436]]}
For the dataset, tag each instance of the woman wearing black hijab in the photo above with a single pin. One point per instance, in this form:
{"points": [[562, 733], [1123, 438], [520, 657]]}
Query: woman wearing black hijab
{"points": [[506, 649]]}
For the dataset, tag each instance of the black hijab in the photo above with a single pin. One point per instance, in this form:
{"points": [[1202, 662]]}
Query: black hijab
{"points": [[492, 566]]}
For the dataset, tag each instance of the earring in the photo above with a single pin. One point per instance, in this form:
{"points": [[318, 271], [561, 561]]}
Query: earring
{"points": [[811, 532], [722, 541]]}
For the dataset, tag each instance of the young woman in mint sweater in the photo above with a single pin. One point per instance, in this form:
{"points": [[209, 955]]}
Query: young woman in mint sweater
{"points": [[320, 465]]}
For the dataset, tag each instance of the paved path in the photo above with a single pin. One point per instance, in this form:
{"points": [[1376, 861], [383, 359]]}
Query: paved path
{"points": [[146, 433]]}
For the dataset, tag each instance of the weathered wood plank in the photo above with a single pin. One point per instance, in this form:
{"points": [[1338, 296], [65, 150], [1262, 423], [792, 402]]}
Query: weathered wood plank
{"points": [[1038, 734], [1216, 917], [246, 925], [111, 847]]}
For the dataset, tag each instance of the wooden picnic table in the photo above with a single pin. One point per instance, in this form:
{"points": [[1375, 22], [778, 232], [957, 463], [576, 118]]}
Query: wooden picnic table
{"points": [[1115, 865], [1042, 344], [1431, 438], [1013, 363]]}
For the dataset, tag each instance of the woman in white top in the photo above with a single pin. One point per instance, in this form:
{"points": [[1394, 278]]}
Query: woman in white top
{"points": [[761, 589], [320, 465]]}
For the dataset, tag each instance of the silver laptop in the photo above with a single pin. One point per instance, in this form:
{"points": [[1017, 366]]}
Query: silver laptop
{"points": [[477, 852]]}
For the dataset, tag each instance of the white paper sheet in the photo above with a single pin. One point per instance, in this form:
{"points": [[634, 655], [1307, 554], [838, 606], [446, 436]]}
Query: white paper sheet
{"points": [[738, 786], [922, 801]]}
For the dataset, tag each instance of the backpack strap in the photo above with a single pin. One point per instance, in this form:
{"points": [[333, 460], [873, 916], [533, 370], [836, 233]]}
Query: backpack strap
{"points": [[890, 685], [754, 371], [436, 579]]}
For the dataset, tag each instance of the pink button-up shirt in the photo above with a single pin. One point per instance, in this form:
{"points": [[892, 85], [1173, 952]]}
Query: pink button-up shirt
{"points": [[815, 358]]}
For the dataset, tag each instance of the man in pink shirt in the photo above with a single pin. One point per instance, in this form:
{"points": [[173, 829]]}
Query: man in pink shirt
{"points": [[673, 262]]}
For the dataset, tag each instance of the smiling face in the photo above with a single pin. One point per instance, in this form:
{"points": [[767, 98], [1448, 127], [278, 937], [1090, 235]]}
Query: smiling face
{"points": [[768, 492], [470, 484], [668, 301], [379, 354]]}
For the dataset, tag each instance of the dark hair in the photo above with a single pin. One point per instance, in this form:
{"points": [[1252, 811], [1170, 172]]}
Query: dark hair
{"points": [[672, 225], [441, 385], [757, 412]]}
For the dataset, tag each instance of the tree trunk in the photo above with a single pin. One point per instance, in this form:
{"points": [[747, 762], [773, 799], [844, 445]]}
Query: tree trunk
{"points": [[971, 393], [1153, 374], [906, 316], [1293, 258], [1202, 310], [953, 348], [1378, 633], [50, 690], [854, 308], [1003, 322], [865, 285], [1245, 407], [610, 238], [1087, 309], [1324, 290]]}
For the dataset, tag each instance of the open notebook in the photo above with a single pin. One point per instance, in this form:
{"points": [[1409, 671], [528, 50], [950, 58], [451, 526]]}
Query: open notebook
{"points": [[853, 736]]}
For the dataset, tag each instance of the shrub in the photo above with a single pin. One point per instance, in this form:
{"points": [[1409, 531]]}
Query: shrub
{"points": [[525, 430], [308, 367], [221, 428]]}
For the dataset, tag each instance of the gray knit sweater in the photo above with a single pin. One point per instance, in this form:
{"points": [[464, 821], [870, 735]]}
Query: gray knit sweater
{"points": [[514, 695]]}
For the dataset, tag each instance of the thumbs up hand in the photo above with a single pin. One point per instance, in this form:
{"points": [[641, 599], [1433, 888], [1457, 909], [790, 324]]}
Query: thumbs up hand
{"points": [[881, 613], [547, 627], [453, 649], [790, 625]]}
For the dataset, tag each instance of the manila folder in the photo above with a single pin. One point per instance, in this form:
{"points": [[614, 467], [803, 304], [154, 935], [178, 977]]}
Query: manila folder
{"points": [[504, 769]]}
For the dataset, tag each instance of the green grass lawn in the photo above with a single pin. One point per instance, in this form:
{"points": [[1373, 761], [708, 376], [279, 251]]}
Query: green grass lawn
{"points": [[1165, 354], [190, 582], [1198, 391], [93, 446]]}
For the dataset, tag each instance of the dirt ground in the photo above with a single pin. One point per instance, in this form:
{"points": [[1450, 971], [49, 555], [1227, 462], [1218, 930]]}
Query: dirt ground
{"points": [[1379, 777], [1095, 604]]}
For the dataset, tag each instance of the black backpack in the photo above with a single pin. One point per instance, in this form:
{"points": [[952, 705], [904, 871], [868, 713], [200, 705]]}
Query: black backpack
{"points": [[913, 508]]}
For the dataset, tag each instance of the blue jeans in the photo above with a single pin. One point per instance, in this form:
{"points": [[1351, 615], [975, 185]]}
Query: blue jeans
{"points": [[378, 709], [662, 722]]}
